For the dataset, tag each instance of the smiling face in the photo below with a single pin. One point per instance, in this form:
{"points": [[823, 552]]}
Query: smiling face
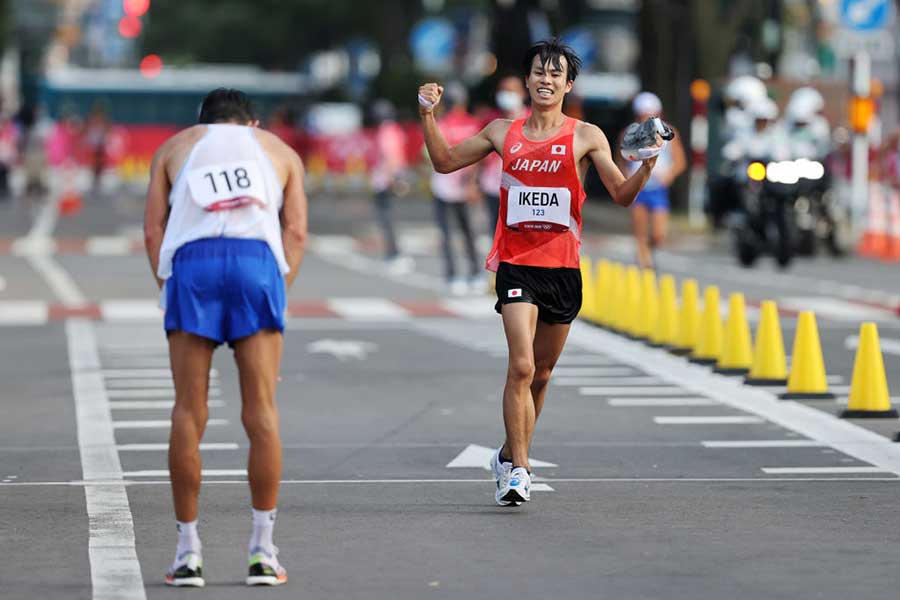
{"points": [[547, 83]]}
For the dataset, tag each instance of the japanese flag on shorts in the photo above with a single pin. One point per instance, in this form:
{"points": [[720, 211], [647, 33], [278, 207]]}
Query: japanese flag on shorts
{"points": [[516, 293]]}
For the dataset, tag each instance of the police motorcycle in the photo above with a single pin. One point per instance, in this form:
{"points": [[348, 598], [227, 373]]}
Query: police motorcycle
{"points": [[822, 217], [766, 179]]}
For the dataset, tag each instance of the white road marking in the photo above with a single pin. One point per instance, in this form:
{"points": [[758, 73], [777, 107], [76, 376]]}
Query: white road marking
{"points": [[586, 359], [761, 444], [2, 284], [707, 420], [862, 444], [835, 309], [342, 349], [140, 384], [593, 371], [479, 457], [155, 404], [471, 308], [599, 381], [115, 571], [159, 424], [821, 470], [147, 373], [130, 310], [368, 309], [99, 245], [59, 280], [23, 312], [203, 473], [632, 391], [165, 447], [152, 393], [888, 345], [638, 402]]}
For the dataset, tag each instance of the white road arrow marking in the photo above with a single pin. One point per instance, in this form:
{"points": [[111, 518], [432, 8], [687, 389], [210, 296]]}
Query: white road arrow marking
{"points": [[342, 349], [479, 457]]}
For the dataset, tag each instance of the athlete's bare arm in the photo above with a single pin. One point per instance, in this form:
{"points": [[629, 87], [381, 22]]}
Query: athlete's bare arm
{"points": [[445, 158], [294, 209], [591, 142], [156, 211]]}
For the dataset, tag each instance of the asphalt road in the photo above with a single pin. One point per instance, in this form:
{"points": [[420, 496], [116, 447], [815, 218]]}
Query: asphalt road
{"points": [[659, 479]]}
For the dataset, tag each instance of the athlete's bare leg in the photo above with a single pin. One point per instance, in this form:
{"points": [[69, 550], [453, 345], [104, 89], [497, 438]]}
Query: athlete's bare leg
{"points": [[190, 357], [258, 359], [640, 224], [549, 341], [659, 227], [520, 324]]}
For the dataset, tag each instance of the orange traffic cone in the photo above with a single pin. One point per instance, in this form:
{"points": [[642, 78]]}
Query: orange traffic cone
{"points": [[874, 241]]}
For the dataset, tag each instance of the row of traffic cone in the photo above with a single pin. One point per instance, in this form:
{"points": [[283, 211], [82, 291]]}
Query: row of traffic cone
{"points": [[628, 301]]}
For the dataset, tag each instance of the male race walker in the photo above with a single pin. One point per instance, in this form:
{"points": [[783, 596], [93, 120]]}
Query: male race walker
{"points": [[225, 227], [537, 239]]}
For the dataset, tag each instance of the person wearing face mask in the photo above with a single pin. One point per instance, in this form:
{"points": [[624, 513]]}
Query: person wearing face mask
{"points": [[510, 100], [650, 211]]}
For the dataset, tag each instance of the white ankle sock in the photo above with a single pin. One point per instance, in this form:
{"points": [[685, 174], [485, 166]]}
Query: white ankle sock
{"points": [[263, 525], [188, 540]]}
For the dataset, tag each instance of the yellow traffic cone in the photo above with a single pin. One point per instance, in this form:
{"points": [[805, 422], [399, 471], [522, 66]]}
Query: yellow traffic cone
{"points": [[709, 341], [737, 351], [688, 318], [769, 364], [807, 379], [632, 301], [869, 396], [648, 309], [603, 297], [617, 293], [587, 290], [666, 333]]}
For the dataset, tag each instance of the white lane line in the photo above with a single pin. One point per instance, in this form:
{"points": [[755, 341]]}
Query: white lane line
{"points": [[143, 384], [59, 280], [152, 393], [130, 310], [593, 371], [165, 447], [821, 470], [155, 404], [2, 284], [115, 570], [633, 391], [159, 424], [23, 312], [368, 309], [762, 444], [586, 359], [842, 435], [708, 420], [103, 245], [585, 480], [638, 402], [203, 473], [149, 373], [600, 381], [470, 308]]}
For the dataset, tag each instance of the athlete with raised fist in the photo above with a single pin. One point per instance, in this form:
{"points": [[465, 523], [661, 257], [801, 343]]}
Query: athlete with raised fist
{"points": [[538, 235]]}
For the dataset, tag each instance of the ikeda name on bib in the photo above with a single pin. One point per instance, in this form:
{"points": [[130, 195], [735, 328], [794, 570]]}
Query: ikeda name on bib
{"points": [[533, 198]]}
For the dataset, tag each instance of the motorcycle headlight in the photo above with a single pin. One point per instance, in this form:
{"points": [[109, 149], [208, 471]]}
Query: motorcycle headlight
{"points": [[756, 171], [810, 169]]}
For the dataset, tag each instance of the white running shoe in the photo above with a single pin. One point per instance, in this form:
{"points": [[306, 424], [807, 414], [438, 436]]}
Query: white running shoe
{"points": [[186, 571], [514, 487], [498, 466], [265, 568]]}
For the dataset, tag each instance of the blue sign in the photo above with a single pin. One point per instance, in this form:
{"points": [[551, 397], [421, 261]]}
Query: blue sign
{"points": [[433, 42], [581, 40], [865, 15]]}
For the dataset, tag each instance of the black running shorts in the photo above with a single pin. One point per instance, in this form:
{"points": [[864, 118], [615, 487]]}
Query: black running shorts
{"points": [[555, 291]]}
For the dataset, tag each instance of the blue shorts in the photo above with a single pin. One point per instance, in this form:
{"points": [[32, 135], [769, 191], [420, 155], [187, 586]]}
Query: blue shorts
{"points": [[653, 200], [225, 289]]}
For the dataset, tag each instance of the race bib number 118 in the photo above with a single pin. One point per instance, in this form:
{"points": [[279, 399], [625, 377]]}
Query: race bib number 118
{"points": [[227, 186]]}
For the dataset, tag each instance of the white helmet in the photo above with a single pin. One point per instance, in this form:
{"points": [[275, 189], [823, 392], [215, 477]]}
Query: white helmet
{"points": [[763, 108], [646, 103], [805, 103], [745, 89]]}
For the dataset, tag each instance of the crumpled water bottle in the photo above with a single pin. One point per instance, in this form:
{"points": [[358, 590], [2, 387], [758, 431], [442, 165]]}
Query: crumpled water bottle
{"points": [[639, 141]]}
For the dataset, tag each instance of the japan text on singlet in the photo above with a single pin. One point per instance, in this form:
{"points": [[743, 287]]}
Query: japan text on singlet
{"points": [[540, 201]]}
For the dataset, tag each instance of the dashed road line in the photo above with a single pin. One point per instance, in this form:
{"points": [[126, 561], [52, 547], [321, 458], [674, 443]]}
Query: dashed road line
{"points": [[708, 420]]}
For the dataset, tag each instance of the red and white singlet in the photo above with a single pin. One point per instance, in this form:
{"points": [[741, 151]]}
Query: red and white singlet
{"points": [[540, 201]]}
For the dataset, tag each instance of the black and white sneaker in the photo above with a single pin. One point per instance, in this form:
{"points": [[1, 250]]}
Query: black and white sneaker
{"points": [[186, 571], [265, 568], [514, 487]]}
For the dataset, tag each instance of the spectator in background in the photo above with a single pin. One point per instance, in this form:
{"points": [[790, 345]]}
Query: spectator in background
{"points": [[9, 152], [452, 192], [96, 134], [36, 127], [390, 159], [650, 211], [510, 98]]}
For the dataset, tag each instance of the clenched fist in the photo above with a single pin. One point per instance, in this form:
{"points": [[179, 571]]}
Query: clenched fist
{"points": [[429, 97]]}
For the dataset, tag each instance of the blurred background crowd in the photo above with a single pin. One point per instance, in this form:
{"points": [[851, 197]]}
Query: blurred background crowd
{"points": [[90, 88]]}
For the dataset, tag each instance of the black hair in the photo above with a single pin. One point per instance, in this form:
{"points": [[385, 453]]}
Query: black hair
{"points": [[226, 104], [550, 51]]}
